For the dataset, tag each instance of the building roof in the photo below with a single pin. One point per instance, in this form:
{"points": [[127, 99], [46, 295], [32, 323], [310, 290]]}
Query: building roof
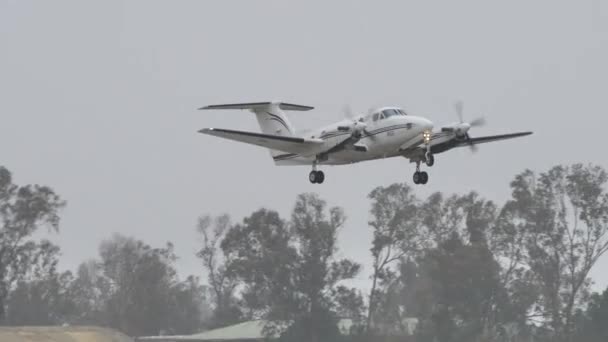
{"points": [[61, 334], [250, 330]]}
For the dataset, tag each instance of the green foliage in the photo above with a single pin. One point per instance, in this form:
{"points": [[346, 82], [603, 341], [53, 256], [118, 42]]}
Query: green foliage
{"points": [[591, 324], [481, 271], [188, 310], [220, 274], [287, 270], [322, 326], [41, 301], [317, 273], [597, 313], [261, 255], [463, 295], [144, 289], [132, 287], [561, 217], [466, 269], [397, 235], [23, 210]]}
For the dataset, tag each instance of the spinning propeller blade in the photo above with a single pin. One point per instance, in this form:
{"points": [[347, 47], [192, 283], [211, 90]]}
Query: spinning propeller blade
{"points": [[478, 122], [458, 106], [349, 114]]}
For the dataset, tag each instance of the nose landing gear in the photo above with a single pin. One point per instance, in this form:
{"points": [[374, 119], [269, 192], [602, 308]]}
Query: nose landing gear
{"points": [[429, 159]]}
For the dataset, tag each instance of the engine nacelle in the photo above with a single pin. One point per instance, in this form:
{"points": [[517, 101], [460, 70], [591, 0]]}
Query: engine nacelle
{"points": [[460, 129], [357, 128]]}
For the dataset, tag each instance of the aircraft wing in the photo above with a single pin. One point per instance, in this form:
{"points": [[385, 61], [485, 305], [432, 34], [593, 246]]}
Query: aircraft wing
{"points": [[274, 142], [490, 138], [417, 153]]}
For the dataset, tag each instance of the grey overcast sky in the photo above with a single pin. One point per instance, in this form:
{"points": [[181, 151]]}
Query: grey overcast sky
{"points": [[98, 100]]}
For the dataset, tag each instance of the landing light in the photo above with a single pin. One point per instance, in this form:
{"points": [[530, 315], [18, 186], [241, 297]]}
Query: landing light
{"points": [[426, 136]]}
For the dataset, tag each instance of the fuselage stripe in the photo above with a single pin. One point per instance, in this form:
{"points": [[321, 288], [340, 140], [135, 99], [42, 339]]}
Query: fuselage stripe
{"points": [[278, 119]]}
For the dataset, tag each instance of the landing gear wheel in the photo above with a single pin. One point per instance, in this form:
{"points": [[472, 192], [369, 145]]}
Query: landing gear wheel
{"points": [[420, 177], [320, 177], [424, 177], [430, 160], [417, 177], [312, 177], [316, 177]]}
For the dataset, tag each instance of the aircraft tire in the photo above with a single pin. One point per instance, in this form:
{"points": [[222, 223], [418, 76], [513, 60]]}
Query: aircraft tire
{"points": [[416, 177], [320, 177], [424, 177], [430, 160], [312, 177]]}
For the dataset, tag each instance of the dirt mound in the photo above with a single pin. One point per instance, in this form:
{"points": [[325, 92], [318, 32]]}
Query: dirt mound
{"points": [[61, 334]]}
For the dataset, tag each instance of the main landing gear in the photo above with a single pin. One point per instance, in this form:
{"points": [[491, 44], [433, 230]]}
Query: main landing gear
{"points": [[420, 177], [316, 177]]}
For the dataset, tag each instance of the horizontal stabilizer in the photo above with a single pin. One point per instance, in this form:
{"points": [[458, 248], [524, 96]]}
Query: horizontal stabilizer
{"points": [[259, 105]]}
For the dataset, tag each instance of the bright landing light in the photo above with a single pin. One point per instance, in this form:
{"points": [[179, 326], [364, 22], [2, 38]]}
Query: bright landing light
{"points": [[427, 136]]}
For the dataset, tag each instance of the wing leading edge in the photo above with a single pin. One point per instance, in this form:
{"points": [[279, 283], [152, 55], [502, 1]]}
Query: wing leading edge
{"points": [[274, 142], [462, 142], [417, 153], [491, 138]]}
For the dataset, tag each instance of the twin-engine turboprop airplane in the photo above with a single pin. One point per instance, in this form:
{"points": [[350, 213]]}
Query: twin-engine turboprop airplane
{"points": [[383, 133]]}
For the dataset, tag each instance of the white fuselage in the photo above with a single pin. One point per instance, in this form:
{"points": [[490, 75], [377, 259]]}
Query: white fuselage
{"points": [[383, 137], [383, 133]]}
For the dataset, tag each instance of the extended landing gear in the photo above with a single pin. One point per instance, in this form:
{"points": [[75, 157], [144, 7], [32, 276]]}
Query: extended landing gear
{"points": [[420, 177], [316, 177], [429, 159]]}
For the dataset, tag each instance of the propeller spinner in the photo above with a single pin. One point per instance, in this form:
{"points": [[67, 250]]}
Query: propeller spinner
{"points": [[461, 129]]}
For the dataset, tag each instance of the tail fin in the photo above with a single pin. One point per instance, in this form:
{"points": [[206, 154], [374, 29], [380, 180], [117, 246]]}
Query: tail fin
{"points": [[270, 115]]}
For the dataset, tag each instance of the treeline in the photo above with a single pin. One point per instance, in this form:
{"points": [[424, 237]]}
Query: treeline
{"points": [[460, 267]]}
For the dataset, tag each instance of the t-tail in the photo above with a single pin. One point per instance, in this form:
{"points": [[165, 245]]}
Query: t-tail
{"points": [[271, 117]]}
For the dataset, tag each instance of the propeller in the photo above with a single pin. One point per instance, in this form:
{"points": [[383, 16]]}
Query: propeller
{"points": [[458, 106], [357, 126], [348, 112], [461, 129]]}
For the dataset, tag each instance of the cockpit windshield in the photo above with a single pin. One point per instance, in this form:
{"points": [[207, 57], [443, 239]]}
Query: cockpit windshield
{"points": [[392, 112], [387, 113]]}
